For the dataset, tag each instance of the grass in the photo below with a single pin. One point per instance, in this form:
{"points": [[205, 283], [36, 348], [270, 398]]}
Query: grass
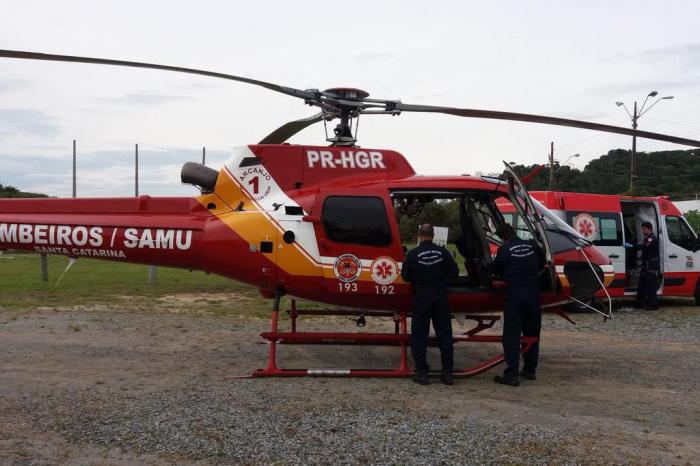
{"points": [[90, 282], [122, 285]]}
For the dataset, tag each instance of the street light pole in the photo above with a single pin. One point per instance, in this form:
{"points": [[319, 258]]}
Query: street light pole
{"points": [[634, 116]]}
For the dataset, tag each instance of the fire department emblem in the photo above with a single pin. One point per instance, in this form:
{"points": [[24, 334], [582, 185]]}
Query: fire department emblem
{"points": [[347, 268], [384, 270], [585, 225]]}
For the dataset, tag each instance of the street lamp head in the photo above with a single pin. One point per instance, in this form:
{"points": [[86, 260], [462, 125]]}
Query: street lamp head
{"points": [[576, 155], [619, 104], [668, 97], [653, 94]]}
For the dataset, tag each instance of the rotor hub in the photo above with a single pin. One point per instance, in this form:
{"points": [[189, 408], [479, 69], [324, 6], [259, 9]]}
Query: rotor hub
{"points": [[348, 93]]}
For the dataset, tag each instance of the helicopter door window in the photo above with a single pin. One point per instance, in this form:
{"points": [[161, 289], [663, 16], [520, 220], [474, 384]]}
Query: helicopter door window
{"points": [[356, 220]]}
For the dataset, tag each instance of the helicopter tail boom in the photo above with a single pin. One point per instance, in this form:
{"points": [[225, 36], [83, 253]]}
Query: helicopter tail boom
{"points": [[155, 231]]}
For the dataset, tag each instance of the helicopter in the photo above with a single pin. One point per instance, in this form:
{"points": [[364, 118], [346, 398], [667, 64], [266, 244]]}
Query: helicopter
{"points": [[321, 223]]}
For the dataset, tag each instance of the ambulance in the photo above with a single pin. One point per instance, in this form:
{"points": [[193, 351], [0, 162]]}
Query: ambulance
{"points": [[609, 221]]}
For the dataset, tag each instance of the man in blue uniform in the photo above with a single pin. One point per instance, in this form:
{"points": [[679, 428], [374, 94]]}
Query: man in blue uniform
{"points": [[519, 263], [651, 265], [427, 268]]}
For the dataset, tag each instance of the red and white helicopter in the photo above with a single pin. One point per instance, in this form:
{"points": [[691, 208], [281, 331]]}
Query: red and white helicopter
{"points": [[321, 223]]}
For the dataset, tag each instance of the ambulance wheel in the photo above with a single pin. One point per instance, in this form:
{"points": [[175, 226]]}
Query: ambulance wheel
{"points": [[697, 293]]}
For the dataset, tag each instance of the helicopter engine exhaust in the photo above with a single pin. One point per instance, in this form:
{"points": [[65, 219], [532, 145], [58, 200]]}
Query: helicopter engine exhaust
{"points": [[199, 175]]}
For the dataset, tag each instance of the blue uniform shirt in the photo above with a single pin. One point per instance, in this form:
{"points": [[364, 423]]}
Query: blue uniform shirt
{"points": [[519, 263], [429, 266], [650, 252]]}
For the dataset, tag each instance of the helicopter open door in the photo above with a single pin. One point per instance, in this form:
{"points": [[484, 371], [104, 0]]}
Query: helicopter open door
{"points": [[533, 221]]}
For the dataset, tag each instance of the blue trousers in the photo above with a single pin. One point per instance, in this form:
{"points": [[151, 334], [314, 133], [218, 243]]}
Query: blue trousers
{"points": [[431, 304], [522, 316]]}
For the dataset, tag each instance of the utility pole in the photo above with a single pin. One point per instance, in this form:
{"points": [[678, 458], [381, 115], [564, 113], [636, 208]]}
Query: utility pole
{"points": [[551, 166], [633, 158], [204, 155]]}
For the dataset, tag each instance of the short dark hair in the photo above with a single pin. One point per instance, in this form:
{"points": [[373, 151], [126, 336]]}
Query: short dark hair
{"points": [[426, 230], [505, 231], [648, 225]]}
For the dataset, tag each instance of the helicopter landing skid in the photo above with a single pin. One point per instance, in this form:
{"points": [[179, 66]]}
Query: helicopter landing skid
{"points": [[400, 338]]}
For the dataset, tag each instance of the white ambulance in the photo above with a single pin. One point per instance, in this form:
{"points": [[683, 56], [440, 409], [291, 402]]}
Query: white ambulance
{"points": [[609, 221]]}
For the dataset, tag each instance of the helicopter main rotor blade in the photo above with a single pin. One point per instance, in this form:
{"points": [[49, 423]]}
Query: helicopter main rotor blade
{"points": [[288, 130], [302, 94], [333, 102], [497, 115]]}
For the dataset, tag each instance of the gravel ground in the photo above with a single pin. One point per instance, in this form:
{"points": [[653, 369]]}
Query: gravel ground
{"points": [[116, 386]]}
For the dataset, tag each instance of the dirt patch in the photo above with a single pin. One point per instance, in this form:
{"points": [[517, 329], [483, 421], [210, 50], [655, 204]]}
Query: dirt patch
{"points": [[118, 386]]}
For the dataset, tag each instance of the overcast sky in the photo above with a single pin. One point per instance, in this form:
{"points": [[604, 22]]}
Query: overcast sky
{"points": [[567, 59]]}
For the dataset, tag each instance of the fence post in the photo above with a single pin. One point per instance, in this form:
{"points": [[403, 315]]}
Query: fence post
{"points": [[152, 269], [136, 170], [44, 268]]}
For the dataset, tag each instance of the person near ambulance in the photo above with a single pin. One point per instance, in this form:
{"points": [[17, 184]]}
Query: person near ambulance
{"points": [[651, 266]]}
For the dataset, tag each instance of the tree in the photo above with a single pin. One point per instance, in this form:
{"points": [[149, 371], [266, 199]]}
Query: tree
{"points": [[672, 173], [11, 191], [693, 217], [8, 190]]}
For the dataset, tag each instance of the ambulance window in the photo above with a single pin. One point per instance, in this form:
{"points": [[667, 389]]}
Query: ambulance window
{"points": [[356, 220], [679, 232], [608, 229], [602, 228]]}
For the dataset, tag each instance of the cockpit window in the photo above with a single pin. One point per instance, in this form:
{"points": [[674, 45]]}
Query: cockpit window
{"points": [[356, 220]]}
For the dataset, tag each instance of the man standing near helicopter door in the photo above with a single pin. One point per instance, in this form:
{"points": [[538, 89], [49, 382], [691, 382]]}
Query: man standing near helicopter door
{"points": [[427, 268], [519, 263]]}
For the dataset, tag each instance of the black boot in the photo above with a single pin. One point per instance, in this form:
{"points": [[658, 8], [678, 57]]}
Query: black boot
{"points": [[512, 381], [447, 378], [421, 378]]}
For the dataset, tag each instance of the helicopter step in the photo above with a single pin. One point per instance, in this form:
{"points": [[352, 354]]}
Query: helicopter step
{"points": [[400, 338]]}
